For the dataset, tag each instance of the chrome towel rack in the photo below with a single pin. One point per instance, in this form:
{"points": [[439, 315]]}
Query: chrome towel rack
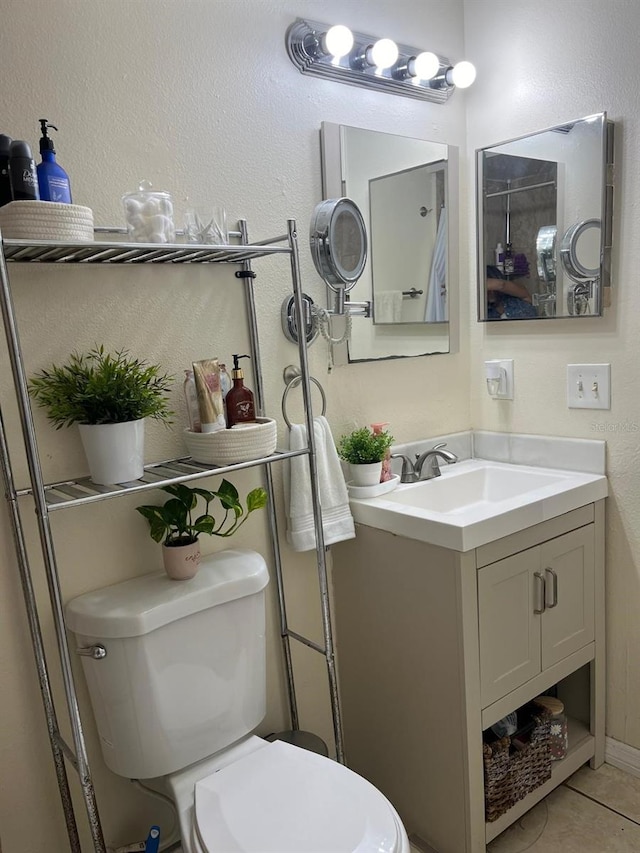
{"points": [[292, 378]]}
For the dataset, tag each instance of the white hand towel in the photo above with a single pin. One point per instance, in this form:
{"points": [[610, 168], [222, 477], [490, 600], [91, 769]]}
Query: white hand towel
{"points": [[387, 306], [337, 521]]}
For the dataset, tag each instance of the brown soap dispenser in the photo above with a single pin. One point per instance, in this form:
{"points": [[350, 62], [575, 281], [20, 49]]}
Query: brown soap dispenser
{"points": [[239, 400]]}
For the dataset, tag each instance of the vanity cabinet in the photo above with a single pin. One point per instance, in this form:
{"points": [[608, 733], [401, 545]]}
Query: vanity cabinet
{"points": [[534, 609], [435, 645]]}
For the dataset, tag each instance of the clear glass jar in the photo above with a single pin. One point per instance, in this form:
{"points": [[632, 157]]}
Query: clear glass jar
{"points": [[558, 741], [149, 215]]}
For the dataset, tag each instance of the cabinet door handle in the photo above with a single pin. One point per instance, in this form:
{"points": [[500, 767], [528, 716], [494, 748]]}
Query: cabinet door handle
{"points": [[553, 587], [539, 593]]}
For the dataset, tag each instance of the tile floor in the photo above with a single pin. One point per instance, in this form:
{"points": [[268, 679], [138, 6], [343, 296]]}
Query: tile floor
{"points": [[592, 812]]}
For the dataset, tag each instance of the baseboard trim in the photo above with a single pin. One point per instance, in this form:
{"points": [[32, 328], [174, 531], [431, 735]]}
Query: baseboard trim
{"points": [[418, 844], [622, 756]]}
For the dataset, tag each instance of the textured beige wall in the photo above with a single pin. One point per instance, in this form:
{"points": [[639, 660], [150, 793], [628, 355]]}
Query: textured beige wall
{"points": [[199, 97], [540, 64]]}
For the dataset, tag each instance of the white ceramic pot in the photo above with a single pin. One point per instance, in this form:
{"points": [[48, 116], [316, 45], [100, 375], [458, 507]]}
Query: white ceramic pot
{"points": [[115, 452], [366, 475], [181, 562]]}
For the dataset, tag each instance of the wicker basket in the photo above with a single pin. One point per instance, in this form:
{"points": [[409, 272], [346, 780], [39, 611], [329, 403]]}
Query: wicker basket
{"points": [[46, 220], [240, 444], [509, 775]]}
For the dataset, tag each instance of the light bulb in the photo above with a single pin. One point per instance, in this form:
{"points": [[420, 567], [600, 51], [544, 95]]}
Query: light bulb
{"points": [[383, 54], [424, 66], [463, 74], [338, 40]]}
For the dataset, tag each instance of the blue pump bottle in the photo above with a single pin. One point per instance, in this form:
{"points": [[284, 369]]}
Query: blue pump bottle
{"points": [[53, 181]]}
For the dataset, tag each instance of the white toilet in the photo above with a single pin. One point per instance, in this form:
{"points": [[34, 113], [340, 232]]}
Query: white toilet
{"points": [[182, 685]]}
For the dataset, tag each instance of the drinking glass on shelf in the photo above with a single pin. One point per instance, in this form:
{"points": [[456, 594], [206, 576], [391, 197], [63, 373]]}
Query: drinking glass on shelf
{"points": [[206, 224]]}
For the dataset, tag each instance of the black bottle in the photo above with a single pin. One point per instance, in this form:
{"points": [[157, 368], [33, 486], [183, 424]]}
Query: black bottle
{"points": [[22, 170], [5, 180], [509, 266]]}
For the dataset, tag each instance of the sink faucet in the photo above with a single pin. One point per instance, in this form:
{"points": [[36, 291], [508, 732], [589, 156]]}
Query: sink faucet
{"points": [[413, 472]]}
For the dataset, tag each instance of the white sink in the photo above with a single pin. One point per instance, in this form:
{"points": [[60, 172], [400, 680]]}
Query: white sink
{"points": [[475, 501]]}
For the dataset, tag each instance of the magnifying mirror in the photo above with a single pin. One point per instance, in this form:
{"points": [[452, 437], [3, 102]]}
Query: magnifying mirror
{"points": [[338, 240], [580, 252]]}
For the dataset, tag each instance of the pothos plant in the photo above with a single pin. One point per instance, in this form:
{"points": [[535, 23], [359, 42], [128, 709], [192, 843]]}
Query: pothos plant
{"points": [[177, 522]]}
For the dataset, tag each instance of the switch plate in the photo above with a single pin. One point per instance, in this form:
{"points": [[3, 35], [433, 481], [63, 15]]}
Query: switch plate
{"points": [[589, 386]]}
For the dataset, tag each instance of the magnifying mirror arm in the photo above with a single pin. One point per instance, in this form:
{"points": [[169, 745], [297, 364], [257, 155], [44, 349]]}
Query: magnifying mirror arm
{"points": [[342, 305]]}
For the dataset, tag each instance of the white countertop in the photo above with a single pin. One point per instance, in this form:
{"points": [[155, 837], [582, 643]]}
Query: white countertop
{"points": [[477, 501]]}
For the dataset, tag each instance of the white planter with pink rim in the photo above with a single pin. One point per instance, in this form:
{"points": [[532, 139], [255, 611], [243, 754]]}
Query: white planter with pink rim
{"points": [[181, 562]]}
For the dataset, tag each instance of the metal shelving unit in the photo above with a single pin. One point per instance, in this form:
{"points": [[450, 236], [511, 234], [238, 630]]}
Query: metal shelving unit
{"points": [[72, 493]]}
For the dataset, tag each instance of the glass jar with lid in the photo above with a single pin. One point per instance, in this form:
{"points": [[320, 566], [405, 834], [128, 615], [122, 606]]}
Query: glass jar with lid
{"points": [[149, 215]]}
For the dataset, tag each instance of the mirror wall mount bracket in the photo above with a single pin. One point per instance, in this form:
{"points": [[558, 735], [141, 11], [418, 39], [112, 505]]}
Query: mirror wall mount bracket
{"points": [[307, 48], [289, 320]]}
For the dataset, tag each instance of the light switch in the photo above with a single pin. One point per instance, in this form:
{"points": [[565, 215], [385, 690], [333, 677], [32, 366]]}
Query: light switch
{"points": [[589, 386]]}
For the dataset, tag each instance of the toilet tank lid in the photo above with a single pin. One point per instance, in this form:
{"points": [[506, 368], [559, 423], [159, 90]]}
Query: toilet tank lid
{"points": [[145, 603]]}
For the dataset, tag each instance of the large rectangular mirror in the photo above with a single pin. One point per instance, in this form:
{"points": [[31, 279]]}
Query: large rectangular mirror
{"points": [[401, 186], [544, 207]]}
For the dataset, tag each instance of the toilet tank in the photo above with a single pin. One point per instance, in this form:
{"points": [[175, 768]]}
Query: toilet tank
{"points": [[184, 675]]}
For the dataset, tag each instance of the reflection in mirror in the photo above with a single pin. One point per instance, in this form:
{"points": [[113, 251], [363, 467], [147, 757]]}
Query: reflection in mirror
{"points": [[542, 199], [407, 209], [401, 187]]}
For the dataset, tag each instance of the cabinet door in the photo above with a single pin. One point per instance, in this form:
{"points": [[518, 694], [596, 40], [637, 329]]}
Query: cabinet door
{"points": [[568, 566], [508, 594]]}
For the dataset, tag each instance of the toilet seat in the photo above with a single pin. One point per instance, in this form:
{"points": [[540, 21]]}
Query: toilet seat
{"points": [[285, 799]]}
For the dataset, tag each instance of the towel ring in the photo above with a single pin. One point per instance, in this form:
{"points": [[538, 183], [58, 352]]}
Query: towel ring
{"points": [[293, 383]]}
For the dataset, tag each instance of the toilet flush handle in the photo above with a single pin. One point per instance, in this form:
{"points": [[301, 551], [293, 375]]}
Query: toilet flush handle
{"points": [[97, 652]]}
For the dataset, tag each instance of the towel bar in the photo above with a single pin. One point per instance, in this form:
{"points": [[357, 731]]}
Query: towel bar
{"points": [[292, 379]]}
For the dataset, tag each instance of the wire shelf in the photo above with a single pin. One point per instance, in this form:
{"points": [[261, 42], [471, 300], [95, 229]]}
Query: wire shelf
{"points": [[99, 252], [71, 493]]}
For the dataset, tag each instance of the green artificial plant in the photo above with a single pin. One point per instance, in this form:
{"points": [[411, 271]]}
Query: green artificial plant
{"points": [[364, 447], [100, 388], [176, 522]]}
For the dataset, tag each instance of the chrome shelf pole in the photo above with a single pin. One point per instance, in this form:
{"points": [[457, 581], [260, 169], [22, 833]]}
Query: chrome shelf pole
{"points": [[37, 642], [315, 498], [51, 570], [254, 344]]}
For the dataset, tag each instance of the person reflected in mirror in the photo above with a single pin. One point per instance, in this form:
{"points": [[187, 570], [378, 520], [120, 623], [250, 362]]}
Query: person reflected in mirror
{"points": [[507, 298]]}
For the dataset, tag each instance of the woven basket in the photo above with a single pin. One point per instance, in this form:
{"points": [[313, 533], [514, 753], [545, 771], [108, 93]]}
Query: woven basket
{"points": [[46, 220], [509, 775], [240, 444]]}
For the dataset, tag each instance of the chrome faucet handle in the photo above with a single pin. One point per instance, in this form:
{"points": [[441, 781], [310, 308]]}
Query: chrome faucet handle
{"points": [[409, 474]]}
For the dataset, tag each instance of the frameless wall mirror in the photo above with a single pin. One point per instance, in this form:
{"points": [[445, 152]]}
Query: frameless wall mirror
{"points": [[544, 210], [401, 187]]}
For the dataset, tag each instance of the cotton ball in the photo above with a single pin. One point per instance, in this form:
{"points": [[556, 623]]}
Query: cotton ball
{"points": [[132, 206], [161, 225], [151, 207], [137, 222]]}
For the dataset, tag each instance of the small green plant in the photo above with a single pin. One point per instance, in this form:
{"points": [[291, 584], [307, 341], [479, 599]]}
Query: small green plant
{"points": [[363, 447], [100, 388], [175, 523]]}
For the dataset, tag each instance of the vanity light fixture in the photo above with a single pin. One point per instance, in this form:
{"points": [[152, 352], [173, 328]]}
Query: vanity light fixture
{"points": [[340, 54]]}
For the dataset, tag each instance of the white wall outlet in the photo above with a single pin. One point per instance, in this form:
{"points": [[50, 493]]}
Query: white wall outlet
{"points": [[589, 386], [499, 378]]}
